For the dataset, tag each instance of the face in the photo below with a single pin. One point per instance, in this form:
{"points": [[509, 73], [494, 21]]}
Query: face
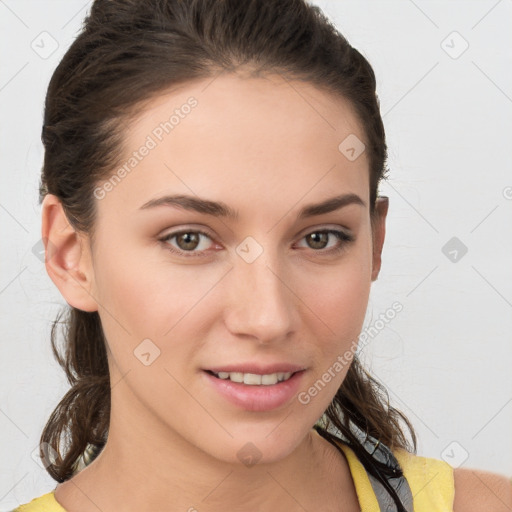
{"points": [[276, 288]]}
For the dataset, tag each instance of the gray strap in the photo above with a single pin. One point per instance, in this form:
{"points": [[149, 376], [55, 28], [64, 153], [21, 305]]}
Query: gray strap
{"points": [[383, 454]]}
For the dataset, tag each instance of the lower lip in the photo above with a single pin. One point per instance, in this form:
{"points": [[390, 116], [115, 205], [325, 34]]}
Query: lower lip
{"points": [[259, 397]]}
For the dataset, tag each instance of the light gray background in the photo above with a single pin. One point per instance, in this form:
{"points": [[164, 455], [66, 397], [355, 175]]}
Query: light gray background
{"points": [[446, 358]]}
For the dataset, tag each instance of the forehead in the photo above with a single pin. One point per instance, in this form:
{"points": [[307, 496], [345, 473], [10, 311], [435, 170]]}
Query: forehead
{"points": [[228, 102], [252, 137]]}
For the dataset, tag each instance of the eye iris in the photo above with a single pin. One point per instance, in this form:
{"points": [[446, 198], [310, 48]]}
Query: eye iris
{"points": [[322, 238], [187, 237]]}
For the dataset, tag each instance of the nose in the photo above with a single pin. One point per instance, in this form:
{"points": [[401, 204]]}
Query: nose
{"points": [[261, 304]]}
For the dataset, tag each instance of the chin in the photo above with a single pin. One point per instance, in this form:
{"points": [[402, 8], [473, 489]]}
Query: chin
{"points": [[259, 446]]}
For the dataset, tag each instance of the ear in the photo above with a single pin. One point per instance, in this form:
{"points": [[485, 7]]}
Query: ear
{"points": [[67, 256], [379, 232]]}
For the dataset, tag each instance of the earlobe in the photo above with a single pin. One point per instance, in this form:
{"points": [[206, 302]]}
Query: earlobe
{"points": [[379, 232], [67, 258]]}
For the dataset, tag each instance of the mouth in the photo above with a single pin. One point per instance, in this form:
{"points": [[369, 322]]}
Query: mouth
{"points": [[256, 392], [253, 379]]}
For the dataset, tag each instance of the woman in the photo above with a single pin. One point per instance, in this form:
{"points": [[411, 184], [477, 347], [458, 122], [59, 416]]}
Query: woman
{"points": [[211, 215]]}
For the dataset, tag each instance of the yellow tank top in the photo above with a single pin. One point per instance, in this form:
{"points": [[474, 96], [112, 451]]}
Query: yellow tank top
{"points": [[431, 482]]}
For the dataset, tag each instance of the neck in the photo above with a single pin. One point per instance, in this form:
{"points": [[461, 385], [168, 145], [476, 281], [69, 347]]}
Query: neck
{"points": [[134, 477], [163, 471]]}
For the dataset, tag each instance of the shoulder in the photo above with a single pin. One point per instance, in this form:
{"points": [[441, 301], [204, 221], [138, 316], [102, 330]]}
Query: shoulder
{"points": [[477, 490]]}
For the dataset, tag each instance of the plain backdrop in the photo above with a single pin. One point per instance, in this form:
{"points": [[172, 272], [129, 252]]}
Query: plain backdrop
{"points": [[444, 79]]}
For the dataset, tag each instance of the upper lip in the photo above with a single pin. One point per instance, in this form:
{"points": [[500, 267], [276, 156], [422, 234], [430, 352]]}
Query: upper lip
{"points": [[258, 369]]}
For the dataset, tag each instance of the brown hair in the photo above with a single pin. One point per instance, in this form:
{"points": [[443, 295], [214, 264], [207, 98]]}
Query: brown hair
{"points": [[128, 52]]}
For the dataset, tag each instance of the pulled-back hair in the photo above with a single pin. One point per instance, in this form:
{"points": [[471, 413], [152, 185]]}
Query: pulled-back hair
{"points": [[128, 52]]}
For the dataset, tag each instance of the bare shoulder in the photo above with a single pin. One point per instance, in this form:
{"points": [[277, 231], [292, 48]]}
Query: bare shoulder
{"points": [[477, 490]]}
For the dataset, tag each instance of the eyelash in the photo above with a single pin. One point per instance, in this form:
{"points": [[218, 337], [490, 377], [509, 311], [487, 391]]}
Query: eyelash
{"points": [[343, 237]]}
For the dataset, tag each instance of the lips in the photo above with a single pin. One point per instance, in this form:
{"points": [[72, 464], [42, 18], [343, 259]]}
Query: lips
{"points": [[256, 398], [258, 369]]}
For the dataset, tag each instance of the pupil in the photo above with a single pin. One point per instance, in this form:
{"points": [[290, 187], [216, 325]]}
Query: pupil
{"points": [[321, 238], [189, 238]]}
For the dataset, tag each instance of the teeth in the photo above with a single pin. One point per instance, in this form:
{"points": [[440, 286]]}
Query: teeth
{"points": [[269, 379], [253, 379]]}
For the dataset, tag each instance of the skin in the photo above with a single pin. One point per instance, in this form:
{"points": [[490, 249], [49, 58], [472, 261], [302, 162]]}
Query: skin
{"points": [[266, 147]]}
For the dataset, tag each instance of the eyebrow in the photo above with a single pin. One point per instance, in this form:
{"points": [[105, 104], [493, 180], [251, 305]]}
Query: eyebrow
{"points": [[220, 209]]}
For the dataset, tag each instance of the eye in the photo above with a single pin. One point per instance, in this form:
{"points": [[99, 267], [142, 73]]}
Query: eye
{"points": [[319, 240], [187, 241]]}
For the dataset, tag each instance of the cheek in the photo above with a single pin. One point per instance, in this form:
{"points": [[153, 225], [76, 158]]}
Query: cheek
{"points": [[340, 297], [339, 305], [343, 311], [131, 281], [146, 296], [336, 322]]}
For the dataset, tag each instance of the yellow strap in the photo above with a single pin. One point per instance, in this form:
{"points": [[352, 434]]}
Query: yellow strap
{"points": [[431, 482], [367, 499], [44, 503]]}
